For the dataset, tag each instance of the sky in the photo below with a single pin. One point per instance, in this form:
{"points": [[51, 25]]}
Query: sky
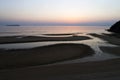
{"points": [[59, 12]]}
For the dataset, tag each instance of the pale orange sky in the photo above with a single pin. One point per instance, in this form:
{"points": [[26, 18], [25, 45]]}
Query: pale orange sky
{"points": [[60, 11]]}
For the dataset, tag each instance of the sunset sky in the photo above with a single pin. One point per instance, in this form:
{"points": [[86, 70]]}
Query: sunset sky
{"points": [[84, 12]]}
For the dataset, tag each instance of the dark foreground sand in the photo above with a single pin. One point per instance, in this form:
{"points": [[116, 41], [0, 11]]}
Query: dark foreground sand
{"points": [[16, 64], [103, 70], [25, 39], [111, 50], [42, 55]]}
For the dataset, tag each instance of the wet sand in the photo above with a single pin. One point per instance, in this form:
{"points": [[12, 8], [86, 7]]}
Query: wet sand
{"points": [[111, 50], [26, 39], [42, 55], [111, 38], [101, 70], [97, 70]]}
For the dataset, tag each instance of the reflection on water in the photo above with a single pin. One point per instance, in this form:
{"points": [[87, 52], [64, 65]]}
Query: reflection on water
{"points": [[38, 30], [94, 43]]}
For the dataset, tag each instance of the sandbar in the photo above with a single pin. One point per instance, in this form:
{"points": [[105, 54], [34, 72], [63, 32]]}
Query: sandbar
{"points": [[43, 55], [26, 39]]}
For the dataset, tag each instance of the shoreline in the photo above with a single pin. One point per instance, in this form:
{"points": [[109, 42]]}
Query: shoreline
{"points": [[16, 58], [110, 38], [26, 39], [64, 34], [27, 64]]}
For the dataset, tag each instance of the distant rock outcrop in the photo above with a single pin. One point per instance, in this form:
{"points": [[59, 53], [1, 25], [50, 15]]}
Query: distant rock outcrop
{"points": [[115, 27], [13, 25]]}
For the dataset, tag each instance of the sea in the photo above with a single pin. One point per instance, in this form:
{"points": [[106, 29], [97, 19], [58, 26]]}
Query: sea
{"points": [[94, 43], [38, 30]]}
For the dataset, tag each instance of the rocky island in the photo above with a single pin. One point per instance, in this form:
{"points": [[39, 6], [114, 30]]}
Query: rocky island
{"points": [[115, 27], [13, 25]]}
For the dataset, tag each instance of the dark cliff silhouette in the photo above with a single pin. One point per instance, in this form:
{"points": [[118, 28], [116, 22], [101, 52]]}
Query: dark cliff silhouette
{"points": [[115, 27]]}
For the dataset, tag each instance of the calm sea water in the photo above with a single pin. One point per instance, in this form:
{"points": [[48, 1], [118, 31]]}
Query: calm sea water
{"points": [[38, 30], [94, 43]]}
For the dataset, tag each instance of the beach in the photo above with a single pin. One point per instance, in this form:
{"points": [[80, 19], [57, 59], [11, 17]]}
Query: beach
{"points": [[59, 40], [103, 70], [39, 63], [42, 55], [27, 39], [112, 39]]}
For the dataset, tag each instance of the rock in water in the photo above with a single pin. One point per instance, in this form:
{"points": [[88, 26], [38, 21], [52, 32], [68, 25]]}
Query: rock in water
{"points": [[115, 27]]}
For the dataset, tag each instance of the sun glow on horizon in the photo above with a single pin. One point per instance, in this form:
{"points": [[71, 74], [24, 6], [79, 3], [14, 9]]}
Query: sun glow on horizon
{"points": [[59, 11]]}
